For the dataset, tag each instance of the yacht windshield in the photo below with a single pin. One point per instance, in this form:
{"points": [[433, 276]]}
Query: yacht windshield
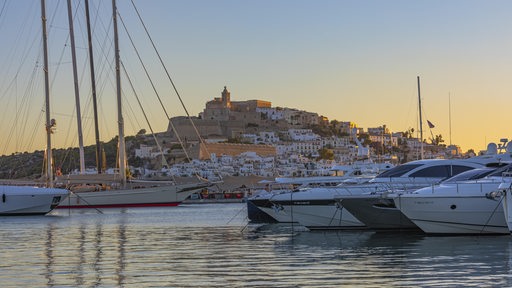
{"points": [[499, 172], [398, 171], [471, 175]]}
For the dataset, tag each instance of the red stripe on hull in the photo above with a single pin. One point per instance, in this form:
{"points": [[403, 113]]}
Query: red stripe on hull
{"points": [[171, 204]]}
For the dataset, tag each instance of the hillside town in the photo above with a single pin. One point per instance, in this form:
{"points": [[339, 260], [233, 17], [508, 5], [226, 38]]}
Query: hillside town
{"points": [[252, 138]]}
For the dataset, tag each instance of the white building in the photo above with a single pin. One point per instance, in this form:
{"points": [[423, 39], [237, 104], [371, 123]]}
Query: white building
{"points": [[302, 135], [335, 142], [271, 113], [144, 151]]}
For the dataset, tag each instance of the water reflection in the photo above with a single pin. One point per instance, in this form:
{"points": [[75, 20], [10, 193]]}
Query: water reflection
{"points": [[121, 260], [135, 248], [49, 255], [407, 259], [98, 248]]}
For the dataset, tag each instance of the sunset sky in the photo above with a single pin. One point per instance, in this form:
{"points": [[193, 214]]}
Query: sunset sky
{"points": [[347, 60]]}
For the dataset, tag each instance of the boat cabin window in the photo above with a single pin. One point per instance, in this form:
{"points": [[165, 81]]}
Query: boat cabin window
{"points": [[471, 175], [398, 170], [499, 172], [441, 171]]}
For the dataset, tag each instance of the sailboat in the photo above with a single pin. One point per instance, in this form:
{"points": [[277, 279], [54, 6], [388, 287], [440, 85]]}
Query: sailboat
{"points": [[32, 200], [114, 190]]}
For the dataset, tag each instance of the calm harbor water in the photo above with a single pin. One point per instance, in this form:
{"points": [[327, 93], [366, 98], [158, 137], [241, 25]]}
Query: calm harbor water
{"points": [[212, 245]]}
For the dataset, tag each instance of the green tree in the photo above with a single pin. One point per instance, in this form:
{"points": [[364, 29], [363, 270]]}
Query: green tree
{"points": [[326, 154], [409, 133], [438, 139]]}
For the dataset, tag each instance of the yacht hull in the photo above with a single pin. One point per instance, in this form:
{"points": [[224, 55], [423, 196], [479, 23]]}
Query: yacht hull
{"points": [[454, 215], [322, 214], [24, 200], [377, 212], [256, 215], [507, 206], [314, 214]]}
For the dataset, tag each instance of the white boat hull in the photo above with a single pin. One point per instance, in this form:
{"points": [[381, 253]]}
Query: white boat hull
{"points": [[279, 214], [314, 216], [312, 209], [454, 215], [170, 195], [323, 216], [507, 204], [24, 200]]}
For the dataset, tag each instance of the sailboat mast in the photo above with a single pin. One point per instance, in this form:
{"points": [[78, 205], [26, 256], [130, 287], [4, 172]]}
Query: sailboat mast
{"points": [[450, 115], [421, 121], [122, 149], [77, 93], [99, 158], [49, 124]]}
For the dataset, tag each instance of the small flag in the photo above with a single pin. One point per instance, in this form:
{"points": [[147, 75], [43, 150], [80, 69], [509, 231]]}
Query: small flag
{"points": [[430, 125]]}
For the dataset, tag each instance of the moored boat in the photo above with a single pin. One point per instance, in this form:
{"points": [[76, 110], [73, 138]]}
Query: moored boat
{"points": [[458, 207], [379, 210], [109, 194], [29, 200]]}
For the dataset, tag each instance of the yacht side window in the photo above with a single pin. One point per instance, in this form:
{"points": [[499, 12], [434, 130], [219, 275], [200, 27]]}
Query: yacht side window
{"points": [[441, 171], [473, 174], [398, 170], [457, 169], [499, 172]]}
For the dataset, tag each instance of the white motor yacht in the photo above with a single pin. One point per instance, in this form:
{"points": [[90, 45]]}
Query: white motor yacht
{"points": [[458, 206], [504, 191], [317, 208], [377, 209], [356, 173], [28, 200]]}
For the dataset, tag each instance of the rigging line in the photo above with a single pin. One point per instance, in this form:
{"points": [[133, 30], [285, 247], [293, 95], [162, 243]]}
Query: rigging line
{"points": [[237, 213], [82, 199], [145, 115], [144, 67], [338, 207], [291, 211], [25, 53], [154, 88], [133, 121], [492, 214], [87, 104], [102, 76], [426, 117], [103, 45], [13, 82], [246, 224], [7, 101], [59, 63], [21, 114], [54, 15], [3, 9], [62, 52], [169, 77]]}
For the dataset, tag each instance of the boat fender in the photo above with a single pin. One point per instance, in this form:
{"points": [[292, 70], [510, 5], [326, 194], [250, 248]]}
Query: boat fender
{"points": [[3, 197]]}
